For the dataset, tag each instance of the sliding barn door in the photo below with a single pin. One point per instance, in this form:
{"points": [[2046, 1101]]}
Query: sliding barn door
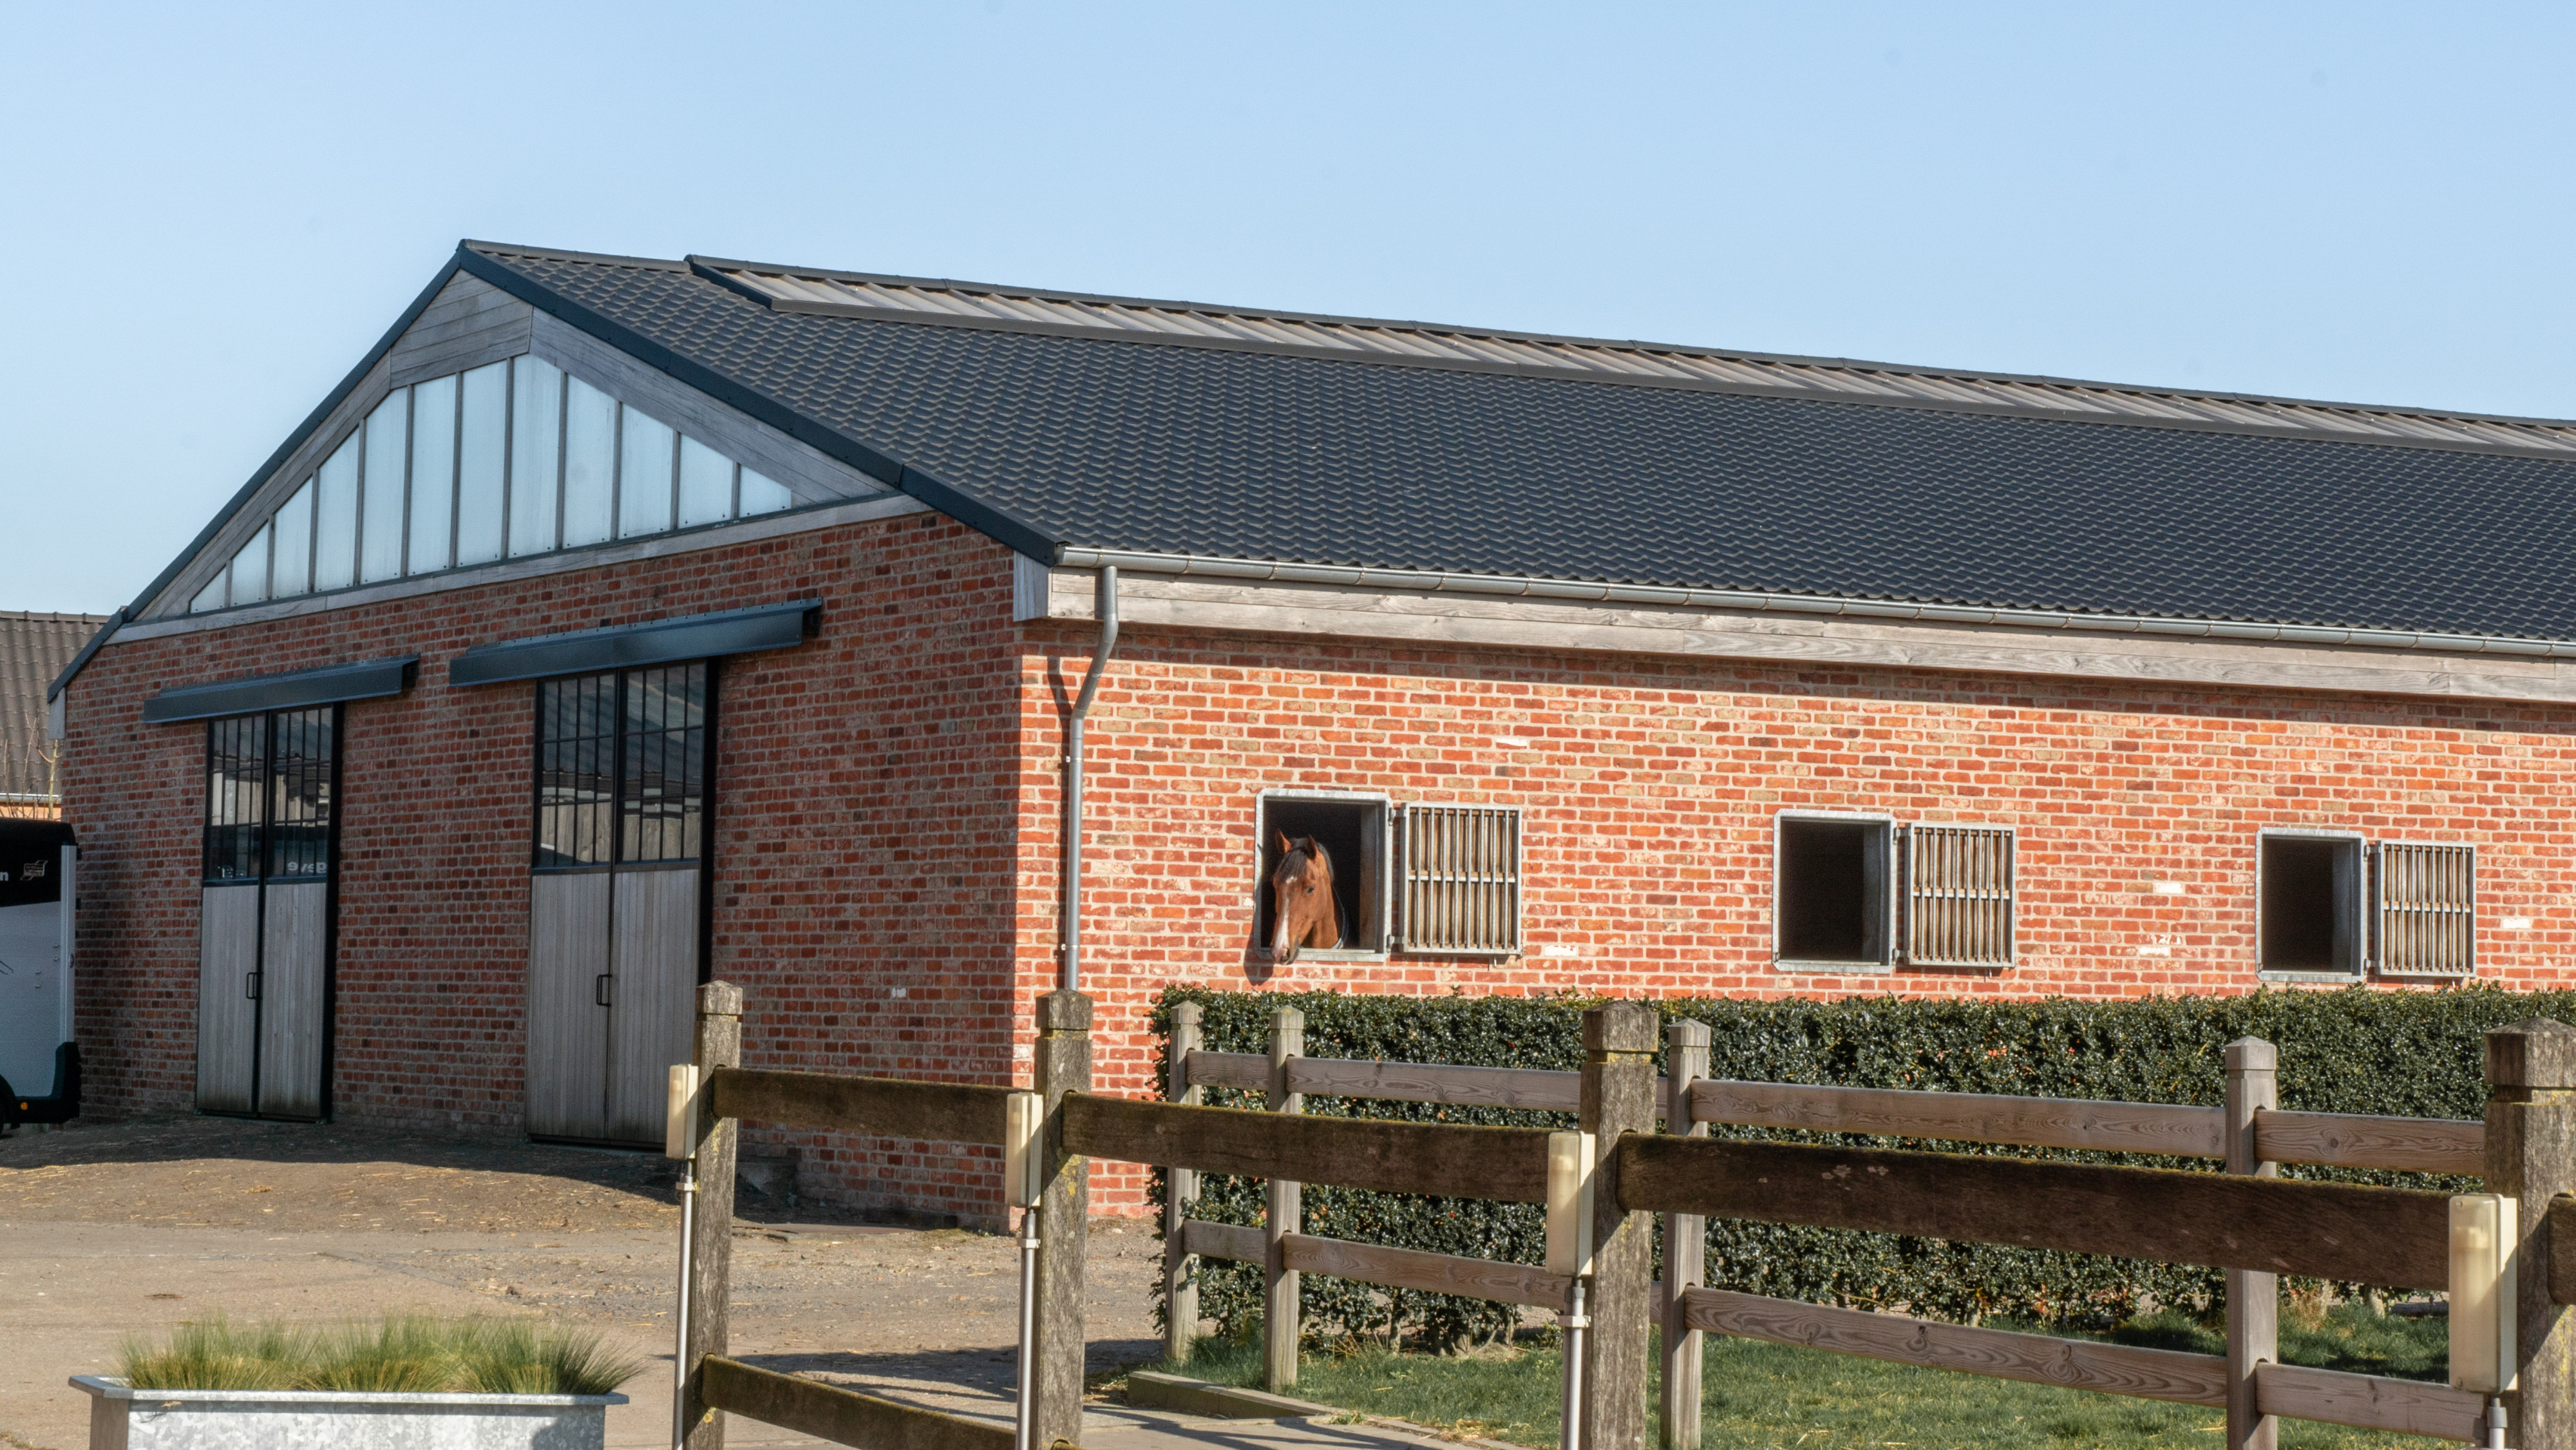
{"points": [[653, 984], [227, 998], [614, 930], [567, 1004], [264, 926], [294, 939]]}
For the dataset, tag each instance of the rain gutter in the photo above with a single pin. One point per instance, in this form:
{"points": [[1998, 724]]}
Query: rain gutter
{"points": [[1202, 566]]}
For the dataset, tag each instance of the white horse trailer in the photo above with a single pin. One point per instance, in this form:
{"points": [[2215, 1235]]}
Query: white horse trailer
{"points": [[39, 1064]]}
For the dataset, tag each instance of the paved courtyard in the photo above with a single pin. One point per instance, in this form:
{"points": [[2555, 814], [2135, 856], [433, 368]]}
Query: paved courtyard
{"points": [[109, 1230]]}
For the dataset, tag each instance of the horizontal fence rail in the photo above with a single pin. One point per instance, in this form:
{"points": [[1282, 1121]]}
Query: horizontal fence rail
{"points": [[2119, 1369], [1229, 1241], [2180, 1130], [2391, 1236], [1494, 1279], [2368, 1402], [1531, 1089], [885, 1106], [2352, 1140], [2334, 1140], [1442, 1159], [843, 1416]]}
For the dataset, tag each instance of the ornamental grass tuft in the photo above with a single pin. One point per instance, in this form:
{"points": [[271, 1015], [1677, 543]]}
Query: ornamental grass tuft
{"points": [[399, 1354]]}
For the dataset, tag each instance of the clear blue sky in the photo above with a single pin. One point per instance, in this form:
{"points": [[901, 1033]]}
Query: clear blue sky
{"points": [[212, 211]]}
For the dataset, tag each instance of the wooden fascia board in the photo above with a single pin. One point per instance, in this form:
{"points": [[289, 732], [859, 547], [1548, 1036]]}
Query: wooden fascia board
{"points": [[1424, 618]]}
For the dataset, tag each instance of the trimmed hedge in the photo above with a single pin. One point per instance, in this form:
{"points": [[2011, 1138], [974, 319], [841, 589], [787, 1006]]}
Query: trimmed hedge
{"points": [[2412, 1054]]}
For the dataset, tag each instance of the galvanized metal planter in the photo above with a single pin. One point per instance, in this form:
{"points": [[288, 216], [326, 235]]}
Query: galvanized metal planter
{"points": [[128, 1419]]}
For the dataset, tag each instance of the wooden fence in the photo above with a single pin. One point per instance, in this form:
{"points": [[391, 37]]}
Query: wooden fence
{"points": [[2243, 1223], [2244, 1219]]}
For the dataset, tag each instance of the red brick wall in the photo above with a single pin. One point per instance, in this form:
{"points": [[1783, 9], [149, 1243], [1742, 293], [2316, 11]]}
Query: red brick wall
{"points": [[863, 843], [888, 820], [1649, 788]]}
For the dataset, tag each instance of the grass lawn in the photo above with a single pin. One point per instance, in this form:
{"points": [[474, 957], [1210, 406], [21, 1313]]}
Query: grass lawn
{"points": [[1764, 1395]]}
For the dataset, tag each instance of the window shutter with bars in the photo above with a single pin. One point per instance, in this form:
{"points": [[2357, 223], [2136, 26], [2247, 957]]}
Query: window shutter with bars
{"points": [[1459, 879], [2427, 909], [1959, 896]]}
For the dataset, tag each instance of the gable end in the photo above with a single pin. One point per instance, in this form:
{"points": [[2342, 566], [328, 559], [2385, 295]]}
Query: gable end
{"points": [[470, 323]]}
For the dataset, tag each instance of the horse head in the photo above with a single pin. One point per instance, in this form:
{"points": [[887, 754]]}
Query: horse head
{"points": [[1302, 900]]}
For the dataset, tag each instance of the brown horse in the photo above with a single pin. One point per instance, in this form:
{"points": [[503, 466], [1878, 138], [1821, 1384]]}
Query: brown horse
{"points": [[1302, 900]]}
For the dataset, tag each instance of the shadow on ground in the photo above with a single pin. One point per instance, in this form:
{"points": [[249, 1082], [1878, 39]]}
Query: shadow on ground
{"points": [[185, 1169], [959, 1381]]}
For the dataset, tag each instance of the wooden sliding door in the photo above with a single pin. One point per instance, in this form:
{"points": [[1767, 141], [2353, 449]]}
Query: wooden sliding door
{"points": [[617, 897], [265, 919]]}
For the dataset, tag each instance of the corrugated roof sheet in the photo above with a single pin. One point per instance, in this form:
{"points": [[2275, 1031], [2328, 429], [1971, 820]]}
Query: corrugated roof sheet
{"points": [[33, 649], [1052, 440], [859, 294]]}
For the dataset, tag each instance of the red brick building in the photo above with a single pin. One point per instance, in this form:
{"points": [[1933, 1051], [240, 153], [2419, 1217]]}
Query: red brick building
{"points": [[620, 623]]}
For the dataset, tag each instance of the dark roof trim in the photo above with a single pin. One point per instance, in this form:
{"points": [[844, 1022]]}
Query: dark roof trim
{"points": [[710, 268], [664, 641], [105, 632], [277, 460], [370, 680], [1605, 378], [946, 497]]}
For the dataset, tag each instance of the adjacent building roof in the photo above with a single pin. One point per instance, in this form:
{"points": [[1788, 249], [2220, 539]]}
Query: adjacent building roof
{"points": [[33, 649], [1079, 428]]}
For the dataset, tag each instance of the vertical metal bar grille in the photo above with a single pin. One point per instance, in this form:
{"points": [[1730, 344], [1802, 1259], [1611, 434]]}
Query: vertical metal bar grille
{"points": [[299, 786], [1461, 884], [2428, 909], [576, 769], [236, 762], [663, 793], [1959, 896]]}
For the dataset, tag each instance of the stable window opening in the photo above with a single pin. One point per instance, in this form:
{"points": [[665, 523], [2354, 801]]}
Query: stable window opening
{"points": [[2310, 904], [1831, 902], [1350, 833]]}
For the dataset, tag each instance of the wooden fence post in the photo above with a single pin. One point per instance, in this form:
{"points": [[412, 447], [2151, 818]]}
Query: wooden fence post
{"points": [[1282, 1315], [1180, 1185], [2531, 1156], [1064, 1213], [718, 1044], [2253, 1299], [1685, 1243], [1618, 1097]]}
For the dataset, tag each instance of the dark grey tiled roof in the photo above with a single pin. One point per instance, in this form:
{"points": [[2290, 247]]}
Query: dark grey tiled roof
{"points": [[33, 649], [1050, 440]]}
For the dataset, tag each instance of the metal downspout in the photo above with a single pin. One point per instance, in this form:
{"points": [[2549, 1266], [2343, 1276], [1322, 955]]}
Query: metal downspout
{"points": [[1105, 608]]}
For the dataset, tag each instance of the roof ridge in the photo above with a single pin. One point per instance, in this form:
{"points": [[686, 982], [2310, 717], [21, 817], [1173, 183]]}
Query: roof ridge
{"points": [[709, 266], [557, 254]]}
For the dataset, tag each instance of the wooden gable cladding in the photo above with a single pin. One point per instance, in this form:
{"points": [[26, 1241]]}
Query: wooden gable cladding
{"points": [[465, 325], [470, 323]]}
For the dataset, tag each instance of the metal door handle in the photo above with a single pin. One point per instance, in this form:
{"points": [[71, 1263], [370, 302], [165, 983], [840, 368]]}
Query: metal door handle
{"points": [[599, 990], [250, 986]]}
